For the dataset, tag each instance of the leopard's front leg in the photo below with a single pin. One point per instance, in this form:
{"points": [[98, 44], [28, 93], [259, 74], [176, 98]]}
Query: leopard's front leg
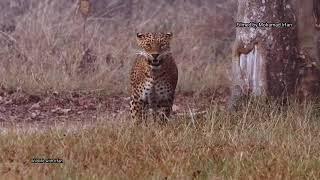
{"points": [[137, 111]]}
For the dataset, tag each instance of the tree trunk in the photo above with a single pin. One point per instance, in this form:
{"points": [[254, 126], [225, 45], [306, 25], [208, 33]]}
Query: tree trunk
{"points": [[308, 87], [316, 15], [264, 58]]}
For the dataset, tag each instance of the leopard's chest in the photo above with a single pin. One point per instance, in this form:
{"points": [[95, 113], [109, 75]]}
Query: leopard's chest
{"points": [[155, 91]]}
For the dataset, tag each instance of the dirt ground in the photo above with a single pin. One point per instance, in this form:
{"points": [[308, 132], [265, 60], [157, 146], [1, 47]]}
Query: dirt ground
{"points": [[18, 109]]}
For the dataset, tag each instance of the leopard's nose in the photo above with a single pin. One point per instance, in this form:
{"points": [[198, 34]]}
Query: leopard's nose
{"points": [[155, 56]]}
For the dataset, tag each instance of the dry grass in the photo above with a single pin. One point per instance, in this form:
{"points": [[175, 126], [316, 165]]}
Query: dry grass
{"points": [[263, 141], [47, 46]]}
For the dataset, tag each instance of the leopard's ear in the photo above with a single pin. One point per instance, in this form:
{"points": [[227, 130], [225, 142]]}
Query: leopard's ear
{"points": [[169, 35], [140, 35]]}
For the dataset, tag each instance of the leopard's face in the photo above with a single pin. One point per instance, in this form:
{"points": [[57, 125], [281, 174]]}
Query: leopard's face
{"points": [[154, 46]]}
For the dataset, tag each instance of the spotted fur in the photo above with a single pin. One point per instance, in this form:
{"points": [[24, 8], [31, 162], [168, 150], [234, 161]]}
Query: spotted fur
{"points": [[153, 77]]}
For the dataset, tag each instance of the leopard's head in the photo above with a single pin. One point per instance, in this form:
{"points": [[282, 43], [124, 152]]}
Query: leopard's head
{"points": [[155, 46]]}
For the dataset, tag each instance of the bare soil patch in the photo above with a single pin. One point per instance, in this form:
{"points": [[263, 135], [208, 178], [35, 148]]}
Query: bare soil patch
{"points": [[18, 109]]}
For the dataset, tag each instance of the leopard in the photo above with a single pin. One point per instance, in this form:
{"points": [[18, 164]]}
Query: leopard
{"points": [[153, 78]]}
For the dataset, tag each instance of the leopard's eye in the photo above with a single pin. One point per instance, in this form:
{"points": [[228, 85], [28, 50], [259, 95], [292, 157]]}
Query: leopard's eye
{"points": [[163, 46]]}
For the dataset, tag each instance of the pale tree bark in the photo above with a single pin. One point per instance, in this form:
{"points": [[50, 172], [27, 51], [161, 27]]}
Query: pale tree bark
{"points": [[264, 59]]}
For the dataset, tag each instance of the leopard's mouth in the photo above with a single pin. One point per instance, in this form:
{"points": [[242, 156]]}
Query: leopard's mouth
{"points": [[155, 63]]}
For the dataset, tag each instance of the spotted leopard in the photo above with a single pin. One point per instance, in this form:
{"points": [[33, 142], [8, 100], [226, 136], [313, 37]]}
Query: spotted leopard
{"points": [[153, 77]]}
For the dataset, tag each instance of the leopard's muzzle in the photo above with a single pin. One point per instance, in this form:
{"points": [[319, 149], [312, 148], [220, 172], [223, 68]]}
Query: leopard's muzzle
{"points": [[155, 61]]}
